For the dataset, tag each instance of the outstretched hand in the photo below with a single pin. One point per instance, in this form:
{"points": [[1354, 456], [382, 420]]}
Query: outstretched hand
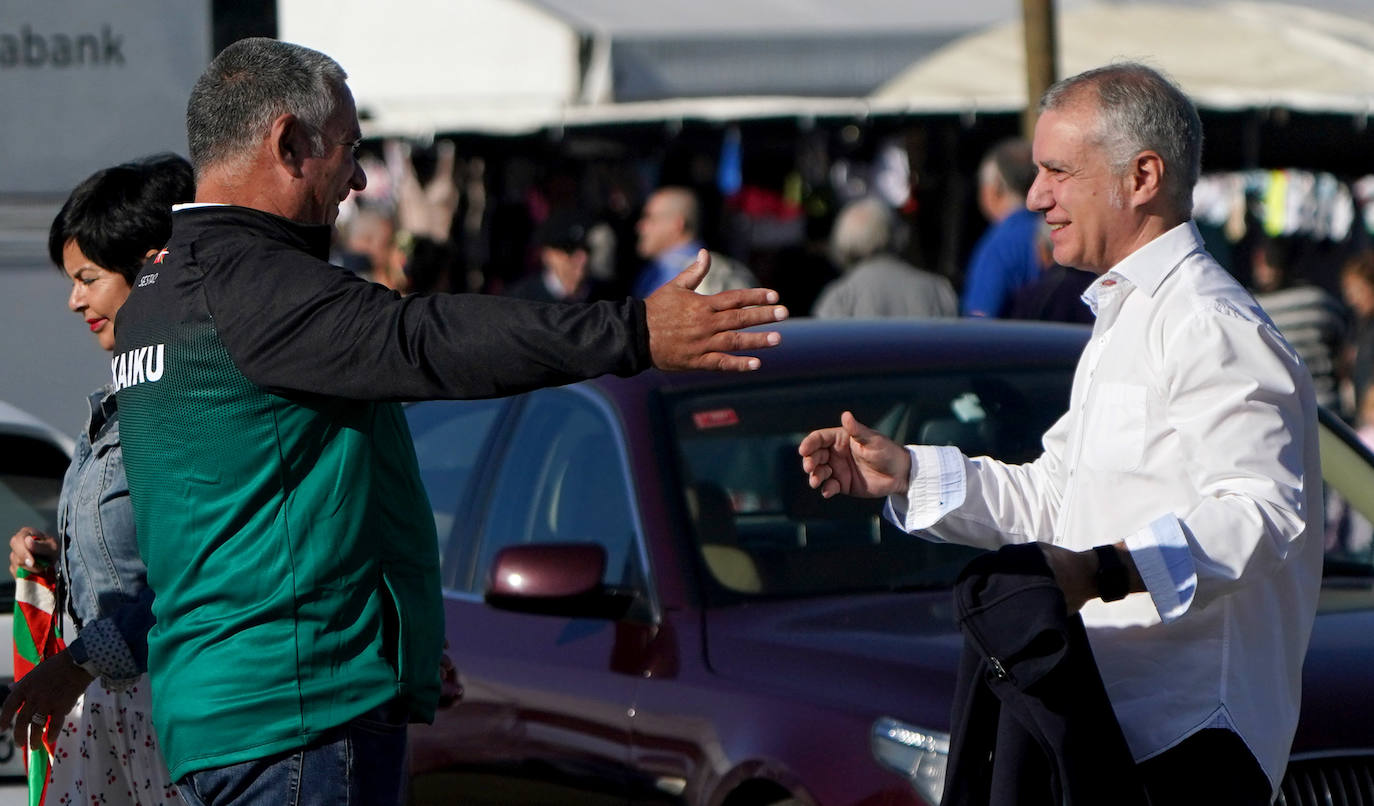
{"points": [[690, 331], [853, 459]]}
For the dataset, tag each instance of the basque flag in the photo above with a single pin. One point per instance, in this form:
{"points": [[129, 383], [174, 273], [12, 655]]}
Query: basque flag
{"points": [[35, 638]]}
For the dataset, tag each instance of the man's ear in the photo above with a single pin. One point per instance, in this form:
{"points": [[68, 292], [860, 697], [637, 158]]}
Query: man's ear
{"points": [[1146, 177], [289, 142]]}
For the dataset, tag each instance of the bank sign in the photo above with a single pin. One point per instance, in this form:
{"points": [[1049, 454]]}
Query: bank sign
{"points": [[88, 83]]}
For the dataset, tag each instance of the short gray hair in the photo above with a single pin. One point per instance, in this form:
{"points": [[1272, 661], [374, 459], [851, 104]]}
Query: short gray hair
{"points": [[864, 228], [683, 201], [1138, 110], [1010, 164], [251, 83]]}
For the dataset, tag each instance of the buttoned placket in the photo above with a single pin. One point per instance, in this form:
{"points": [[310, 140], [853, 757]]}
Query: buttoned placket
{"points": [[83, 490], [1111, 295]]}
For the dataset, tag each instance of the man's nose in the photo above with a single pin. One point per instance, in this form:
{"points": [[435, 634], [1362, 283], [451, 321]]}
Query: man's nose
{"points": [[1038, 197]]}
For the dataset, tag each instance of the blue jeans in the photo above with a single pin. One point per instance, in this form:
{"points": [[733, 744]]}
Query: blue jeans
{"points": [[359, 763]]}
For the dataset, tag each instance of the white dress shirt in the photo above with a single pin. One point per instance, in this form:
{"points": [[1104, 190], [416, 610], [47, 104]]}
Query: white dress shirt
{"points": [[1191, 435]]}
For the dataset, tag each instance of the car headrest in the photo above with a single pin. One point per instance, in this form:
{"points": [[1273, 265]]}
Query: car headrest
{"points": [[713, 513]]}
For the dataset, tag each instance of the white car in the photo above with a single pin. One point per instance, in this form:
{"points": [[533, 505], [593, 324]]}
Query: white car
{"points": [[33, 459]]}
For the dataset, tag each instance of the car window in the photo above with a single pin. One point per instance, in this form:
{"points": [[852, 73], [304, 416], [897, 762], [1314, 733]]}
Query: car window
{"points": [[1349, 536], [562, 481], [762, 530], [450, 436], [31, 473]]}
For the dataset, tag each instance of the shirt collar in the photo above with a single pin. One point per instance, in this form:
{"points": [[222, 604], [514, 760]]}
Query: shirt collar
{"points": [[689, 248], [553, 285], [103, 408], [1147, 267], [314, 239]]}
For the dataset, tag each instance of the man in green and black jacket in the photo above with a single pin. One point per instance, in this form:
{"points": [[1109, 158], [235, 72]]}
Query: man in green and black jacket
{"points": [[279, 506]]}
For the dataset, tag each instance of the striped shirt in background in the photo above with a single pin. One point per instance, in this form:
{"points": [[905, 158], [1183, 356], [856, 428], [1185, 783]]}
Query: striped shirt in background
{"points": [[1314, 323]]}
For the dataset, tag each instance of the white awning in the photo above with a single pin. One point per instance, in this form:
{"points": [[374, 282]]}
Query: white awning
{"points": [[420, 67], [426, 67], [1228, 56]]}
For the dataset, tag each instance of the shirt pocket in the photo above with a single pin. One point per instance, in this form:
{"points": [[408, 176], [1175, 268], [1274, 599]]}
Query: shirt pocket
{"points": [[1115, 435]]}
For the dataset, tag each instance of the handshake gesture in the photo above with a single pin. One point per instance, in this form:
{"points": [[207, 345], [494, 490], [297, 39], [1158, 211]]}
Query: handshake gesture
{"points": [[853, 459]]}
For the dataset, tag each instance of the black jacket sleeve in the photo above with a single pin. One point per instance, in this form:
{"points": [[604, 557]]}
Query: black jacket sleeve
{"points": [[293, 323]]}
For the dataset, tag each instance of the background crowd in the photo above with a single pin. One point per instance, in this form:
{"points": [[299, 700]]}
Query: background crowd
{"points": [[839, 233], [289, 402]]}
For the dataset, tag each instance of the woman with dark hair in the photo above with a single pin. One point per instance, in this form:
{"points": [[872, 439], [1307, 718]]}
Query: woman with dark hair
{"points": [[91, 699]]}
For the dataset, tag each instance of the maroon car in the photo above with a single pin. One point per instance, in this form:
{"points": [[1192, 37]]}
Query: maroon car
{"points": [[647, 604]]}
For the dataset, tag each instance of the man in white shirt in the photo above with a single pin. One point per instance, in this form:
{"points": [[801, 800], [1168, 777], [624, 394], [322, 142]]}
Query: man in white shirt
{"points": [[1178, 501]]}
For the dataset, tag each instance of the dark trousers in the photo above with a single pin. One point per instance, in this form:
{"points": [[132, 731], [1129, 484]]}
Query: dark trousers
{"points": [[1208, 768], [361, 762]]}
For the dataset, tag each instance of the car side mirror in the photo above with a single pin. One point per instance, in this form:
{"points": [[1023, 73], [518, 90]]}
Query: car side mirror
{"points": [[555, 579]]}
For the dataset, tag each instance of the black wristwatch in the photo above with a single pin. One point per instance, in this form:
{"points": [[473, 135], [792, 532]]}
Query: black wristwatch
{"points": [[1113, 580]]}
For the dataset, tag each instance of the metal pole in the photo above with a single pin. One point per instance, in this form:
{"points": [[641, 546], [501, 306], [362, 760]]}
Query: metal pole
{"points": [[1041, 52]]}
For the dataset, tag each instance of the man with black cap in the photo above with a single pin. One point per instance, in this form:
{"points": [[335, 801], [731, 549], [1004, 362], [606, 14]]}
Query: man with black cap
{"points": [[563, 262]]}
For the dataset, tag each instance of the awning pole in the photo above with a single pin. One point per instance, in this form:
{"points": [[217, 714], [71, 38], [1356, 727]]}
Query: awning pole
{"points": [[1041, 52]]}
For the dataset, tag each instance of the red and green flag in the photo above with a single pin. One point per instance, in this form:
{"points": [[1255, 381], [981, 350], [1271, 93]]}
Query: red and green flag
{"points": [[35, 638]]}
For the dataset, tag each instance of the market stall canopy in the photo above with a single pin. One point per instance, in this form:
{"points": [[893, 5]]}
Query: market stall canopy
{"points": [[421, 67], [768, 47], [1227, 56]]}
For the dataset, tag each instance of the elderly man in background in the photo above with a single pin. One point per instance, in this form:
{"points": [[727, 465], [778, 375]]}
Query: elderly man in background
{"points": [[669, 239], [1178, 502], [278, 501], [875, 281]]}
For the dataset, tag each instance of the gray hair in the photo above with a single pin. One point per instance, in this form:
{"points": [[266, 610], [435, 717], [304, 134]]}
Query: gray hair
{"points": [[1138, 110], [251, 83], [864, 228], [683, 201], [1009, 163]]}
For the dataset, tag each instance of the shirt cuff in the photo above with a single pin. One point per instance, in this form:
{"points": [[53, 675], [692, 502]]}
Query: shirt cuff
{"points": [[1161, 555], [935, 488], [102, 651]]}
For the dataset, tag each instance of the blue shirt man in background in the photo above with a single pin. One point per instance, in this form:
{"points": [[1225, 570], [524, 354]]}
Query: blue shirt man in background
{"points": [[667, 237], [1004, 260]]}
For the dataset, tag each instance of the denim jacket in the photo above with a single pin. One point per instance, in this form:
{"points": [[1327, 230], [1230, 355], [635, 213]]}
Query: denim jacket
{"points": [[104, 588]]}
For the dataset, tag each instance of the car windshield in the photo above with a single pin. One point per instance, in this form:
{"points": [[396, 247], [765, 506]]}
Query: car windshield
{"points": [[763, 532]]}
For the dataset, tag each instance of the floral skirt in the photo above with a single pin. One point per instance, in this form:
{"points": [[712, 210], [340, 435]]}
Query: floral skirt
{"points": [[108, 753]]}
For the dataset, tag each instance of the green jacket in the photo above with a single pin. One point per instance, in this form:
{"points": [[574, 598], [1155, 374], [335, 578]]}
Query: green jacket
{"points": [[289, 541]]}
